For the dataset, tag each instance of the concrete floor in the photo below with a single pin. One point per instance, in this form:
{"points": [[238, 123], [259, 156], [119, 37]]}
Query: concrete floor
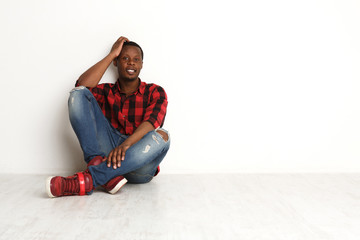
{"points": [[225, 206]]}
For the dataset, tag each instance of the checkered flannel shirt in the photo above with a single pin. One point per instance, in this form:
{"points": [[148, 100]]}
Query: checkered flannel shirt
{"points": [[148, 103]]}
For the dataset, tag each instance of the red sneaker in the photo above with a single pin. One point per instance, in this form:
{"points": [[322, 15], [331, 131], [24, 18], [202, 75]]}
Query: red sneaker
{"points": [[79, 184], [114, 185]]}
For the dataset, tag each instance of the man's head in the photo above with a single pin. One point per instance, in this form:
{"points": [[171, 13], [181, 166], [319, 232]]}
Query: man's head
{"points": [[129, 62]]}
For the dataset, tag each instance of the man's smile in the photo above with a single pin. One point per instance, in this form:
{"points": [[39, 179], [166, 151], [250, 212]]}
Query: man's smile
{"points": [[130, 71]]}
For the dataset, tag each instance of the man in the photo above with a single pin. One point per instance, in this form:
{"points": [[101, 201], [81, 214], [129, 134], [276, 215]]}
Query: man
{"points": [[117, 125]]}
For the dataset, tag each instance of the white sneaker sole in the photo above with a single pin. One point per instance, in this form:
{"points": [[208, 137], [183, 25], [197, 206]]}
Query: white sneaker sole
{"points": [[47, 187], [118, 186]]}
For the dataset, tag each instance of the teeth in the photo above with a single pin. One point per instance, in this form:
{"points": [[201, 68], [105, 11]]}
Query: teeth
{"points": [[131, 71]]}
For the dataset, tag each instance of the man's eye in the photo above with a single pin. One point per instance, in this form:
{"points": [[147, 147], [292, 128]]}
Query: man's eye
{"points": [[125, 58], [137, 59]]}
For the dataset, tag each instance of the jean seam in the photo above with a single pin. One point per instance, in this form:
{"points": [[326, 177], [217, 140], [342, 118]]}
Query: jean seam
{"points": [[142, 175], [144, 178]]}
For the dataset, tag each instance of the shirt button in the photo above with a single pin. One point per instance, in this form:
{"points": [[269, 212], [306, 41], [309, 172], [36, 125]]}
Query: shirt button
{"points": [[124, 116]]}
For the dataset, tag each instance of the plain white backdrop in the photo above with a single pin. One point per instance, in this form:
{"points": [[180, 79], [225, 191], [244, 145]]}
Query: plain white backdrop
{"points": [[253, 86]]}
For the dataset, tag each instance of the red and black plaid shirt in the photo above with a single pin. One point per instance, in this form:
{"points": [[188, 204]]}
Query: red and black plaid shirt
{"points": [[148, 103]]}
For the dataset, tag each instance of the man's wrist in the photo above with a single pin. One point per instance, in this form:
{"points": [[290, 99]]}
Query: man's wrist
{"points": [[129, 141], [112, 56]]}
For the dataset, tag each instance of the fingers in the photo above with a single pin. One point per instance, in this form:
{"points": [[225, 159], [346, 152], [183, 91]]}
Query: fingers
{"points": [[120, 42], [116, 156], [118, 159], [108, 159], [124, 39], [116, 48], [111, 159], [114, 159], [123, 155]]}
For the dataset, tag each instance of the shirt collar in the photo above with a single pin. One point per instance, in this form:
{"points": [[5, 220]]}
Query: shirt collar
{"points": [[140, 89]]}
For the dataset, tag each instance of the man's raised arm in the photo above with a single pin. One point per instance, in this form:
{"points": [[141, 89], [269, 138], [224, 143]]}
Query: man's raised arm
{"points": [[93, 75]]}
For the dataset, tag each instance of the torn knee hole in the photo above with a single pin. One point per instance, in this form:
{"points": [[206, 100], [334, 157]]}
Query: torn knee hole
{"points": [[77, 88], [163, 134]]}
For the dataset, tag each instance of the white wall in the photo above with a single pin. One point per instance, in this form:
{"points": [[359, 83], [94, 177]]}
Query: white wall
{"points": [[253, 86]]}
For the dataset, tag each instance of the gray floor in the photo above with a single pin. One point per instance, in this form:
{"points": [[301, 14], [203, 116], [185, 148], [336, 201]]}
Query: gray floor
{"points": [[226, 206]]}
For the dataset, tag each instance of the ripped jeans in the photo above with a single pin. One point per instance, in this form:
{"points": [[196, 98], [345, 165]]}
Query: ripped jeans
{"points": [[98, 137]]}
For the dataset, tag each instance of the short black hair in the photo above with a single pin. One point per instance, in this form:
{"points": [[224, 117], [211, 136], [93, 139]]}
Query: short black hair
{"points": [[130, 43]]}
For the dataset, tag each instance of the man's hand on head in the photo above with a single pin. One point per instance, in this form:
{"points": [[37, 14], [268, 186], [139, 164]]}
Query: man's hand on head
{"points": [[117, 47], [92, 76]]}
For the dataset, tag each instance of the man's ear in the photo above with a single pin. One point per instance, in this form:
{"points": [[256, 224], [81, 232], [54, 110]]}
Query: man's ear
{"points": [[115, 62]]}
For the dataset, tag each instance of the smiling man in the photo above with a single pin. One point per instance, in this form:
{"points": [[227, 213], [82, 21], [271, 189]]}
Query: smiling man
{"points": [[118, 125]]}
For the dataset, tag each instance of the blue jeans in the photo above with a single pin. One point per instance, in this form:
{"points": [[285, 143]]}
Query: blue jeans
{"points": [[98, 137]]}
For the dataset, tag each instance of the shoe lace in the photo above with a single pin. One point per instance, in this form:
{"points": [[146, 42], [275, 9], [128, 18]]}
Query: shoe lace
{"points": [[71, 185]]}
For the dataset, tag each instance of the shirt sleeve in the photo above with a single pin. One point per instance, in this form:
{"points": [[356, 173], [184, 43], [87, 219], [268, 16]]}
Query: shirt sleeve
{"points": [[156, 110]]}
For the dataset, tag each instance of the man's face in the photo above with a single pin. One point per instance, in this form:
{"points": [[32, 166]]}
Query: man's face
{"points": [[129, 63]]}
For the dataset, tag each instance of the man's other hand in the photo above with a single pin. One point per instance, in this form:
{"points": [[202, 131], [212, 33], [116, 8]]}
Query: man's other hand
{"points": [[117, 155]]}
